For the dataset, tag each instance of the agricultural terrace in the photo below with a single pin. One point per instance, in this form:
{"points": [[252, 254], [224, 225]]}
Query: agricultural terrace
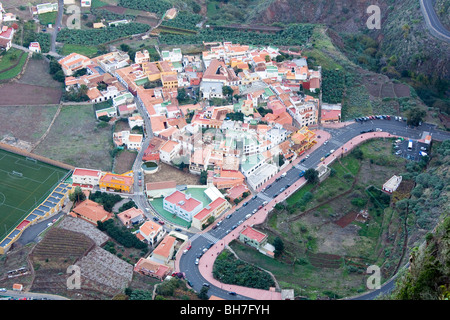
{"points": [[24, 184], [328, 238]]}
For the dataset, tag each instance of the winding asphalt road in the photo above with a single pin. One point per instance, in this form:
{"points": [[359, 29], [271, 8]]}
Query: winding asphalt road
{"points": [[432, 21]]}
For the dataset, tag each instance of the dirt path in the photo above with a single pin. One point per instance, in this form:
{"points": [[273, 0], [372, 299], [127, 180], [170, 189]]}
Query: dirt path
{"points": [[48, 129]]}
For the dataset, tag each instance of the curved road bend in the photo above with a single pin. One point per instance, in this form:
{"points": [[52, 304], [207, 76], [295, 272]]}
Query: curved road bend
{"points": [[432, 21]]}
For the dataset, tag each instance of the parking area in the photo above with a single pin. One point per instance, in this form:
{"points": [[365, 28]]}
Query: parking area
{"points": [[411, 149]]}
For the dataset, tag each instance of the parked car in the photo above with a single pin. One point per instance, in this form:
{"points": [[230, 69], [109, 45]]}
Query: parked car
{"points": [[196, 261], [161, 222]]}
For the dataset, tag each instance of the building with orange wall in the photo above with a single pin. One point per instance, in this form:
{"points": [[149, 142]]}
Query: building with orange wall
{"points": [[118, 182]]}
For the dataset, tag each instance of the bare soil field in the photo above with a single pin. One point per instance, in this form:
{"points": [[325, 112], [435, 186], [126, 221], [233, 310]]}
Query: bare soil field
{"points": [[124, 161], [168, 173], [380, 86], [346, 220], [34, 121], [76, 139], [401, 90], [151, 21], [17, 94], [36, 73]]}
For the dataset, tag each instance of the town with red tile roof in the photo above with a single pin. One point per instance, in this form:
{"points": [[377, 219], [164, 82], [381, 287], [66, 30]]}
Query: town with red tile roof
{"points": [[208, 146]]}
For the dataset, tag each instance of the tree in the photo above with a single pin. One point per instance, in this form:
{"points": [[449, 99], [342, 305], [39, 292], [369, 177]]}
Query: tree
{"points": [[312, 175], [227, 91], [101, 86], [358, 154], [203, 177], [279, 246], [124, 47], [203, 294], [130, 204], [77, 195], [181, 96], [415, 116]]}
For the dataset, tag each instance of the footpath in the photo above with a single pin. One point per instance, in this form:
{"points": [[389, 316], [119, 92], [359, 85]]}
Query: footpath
{"points": [[206, 262]]}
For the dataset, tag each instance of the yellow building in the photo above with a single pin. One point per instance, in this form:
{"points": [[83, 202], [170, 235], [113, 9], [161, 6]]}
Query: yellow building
{"points": [[118, 182], [169, 81], [151, 70], [303, 139]]}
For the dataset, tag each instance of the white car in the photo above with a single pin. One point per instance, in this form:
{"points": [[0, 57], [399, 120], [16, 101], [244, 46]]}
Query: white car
{"points": [[196, 261], [2, 289]]}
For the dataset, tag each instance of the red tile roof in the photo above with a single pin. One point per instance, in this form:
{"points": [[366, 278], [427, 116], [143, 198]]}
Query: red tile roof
{"points": [[253, 234], [188, 204]]}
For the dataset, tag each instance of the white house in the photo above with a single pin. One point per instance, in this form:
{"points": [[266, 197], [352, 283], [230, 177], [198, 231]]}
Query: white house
{"points": [[133, 141], [183, 205], [151, 232], [86, 178], [169, 151], [35, 47], [211, 90], [173, 56], [392, 184], [135, 120]]}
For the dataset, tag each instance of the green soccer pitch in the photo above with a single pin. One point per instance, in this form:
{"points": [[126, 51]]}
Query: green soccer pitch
{"points": [[24, 184]]}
